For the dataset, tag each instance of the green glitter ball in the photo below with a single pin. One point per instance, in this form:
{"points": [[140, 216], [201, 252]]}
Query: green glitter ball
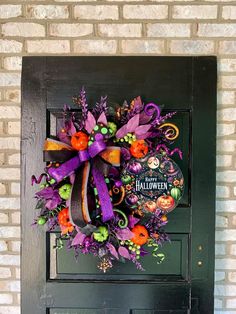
{"points": [[101, 234], [41, 221], [112, 128], [104, 130]]}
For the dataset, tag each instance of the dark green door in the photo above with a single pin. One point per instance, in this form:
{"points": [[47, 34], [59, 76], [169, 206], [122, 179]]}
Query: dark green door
{"points": [[52, 282]]}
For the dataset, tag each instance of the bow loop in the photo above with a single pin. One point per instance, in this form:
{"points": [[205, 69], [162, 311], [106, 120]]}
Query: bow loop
{"points": [[79, 213]]}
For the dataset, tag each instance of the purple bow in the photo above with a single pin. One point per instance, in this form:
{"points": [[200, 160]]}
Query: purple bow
{"points": [[79, 212], [72, 164]]}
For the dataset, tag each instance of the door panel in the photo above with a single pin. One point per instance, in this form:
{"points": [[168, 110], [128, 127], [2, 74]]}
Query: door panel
{"points": [[52, 281], [113, 311], [121, 295], [85, 311], [62, 264]]}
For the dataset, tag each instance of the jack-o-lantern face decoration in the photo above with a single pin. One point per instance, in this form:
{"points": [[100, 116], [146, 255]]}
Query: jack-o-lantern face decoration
{"points": [[166, 203]]}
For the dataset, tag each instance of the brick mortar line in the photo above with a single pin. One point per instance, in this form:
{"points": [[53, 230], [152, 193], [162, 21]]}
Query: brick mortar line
{"points": [[227, 56], [123, 20], [173, 3]]}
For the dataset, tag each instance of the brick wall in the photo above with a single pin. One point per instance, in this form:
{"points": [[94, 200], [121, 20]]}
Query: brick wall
{"points": [[72, 27]]}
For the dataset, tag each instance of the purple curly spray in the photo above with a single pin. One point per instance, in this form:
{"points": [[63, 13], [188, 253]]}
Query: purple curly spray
{"points": [[150, 109], [39, 179]]}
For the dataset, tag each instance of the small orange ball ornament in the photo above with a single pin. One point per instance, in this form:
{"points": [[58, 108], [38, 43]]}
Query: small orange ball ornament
{"points": [[140, 235], [139, 149], [79, 141], [156, 236], [164, 218]]}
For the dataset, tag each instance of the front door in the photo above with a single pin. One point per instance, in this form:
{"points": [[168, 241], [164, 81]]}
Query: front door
{"points": [[52, 281]]}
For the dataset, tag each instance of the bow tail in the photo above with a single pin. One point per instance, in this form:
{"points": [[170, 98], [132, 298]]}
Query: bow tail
{"points": [[65, 169], [79, 212], [103, 194]]}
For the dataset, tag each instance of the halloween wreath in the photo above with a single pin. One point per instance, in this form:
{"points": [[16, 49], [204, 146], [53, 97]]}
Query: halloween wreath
{"points": [[110, 182]]}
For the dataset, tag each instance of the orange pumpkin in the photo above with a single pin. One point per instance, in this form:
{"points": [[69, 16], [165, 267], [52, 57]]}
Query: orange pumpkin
{"points": [[140, 235], [79, 141], [64, 221], [139, 149], [166, 203]]}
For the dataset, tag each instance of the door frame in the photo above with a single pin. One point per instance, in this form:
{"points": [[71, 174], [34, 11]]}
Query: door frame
{"points": [[34, 98]]}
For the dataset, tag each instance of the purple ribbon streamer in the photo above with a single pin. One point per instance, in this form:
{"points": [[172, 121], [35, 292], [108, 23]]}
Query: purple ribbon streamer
{"points": [[104, 198], [66, 169], [83, 155], [170, 152]]}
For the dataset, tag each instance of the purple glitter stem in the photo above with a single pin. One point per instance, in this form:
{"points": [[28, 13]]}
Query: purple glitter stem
{"points": [[38, 181]]}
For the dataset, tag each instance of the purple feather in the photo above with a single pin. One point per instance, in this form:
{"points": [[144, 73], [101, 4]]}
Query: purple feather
{"points": [[112, 250], [122, 131], [45, 193], [52, 203], [143, 136], [79, 238], [124, 234], [90, 122], [102, 118], [144, 118], [142, 129], [51, 196], [133, 124], [124, 252]]}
